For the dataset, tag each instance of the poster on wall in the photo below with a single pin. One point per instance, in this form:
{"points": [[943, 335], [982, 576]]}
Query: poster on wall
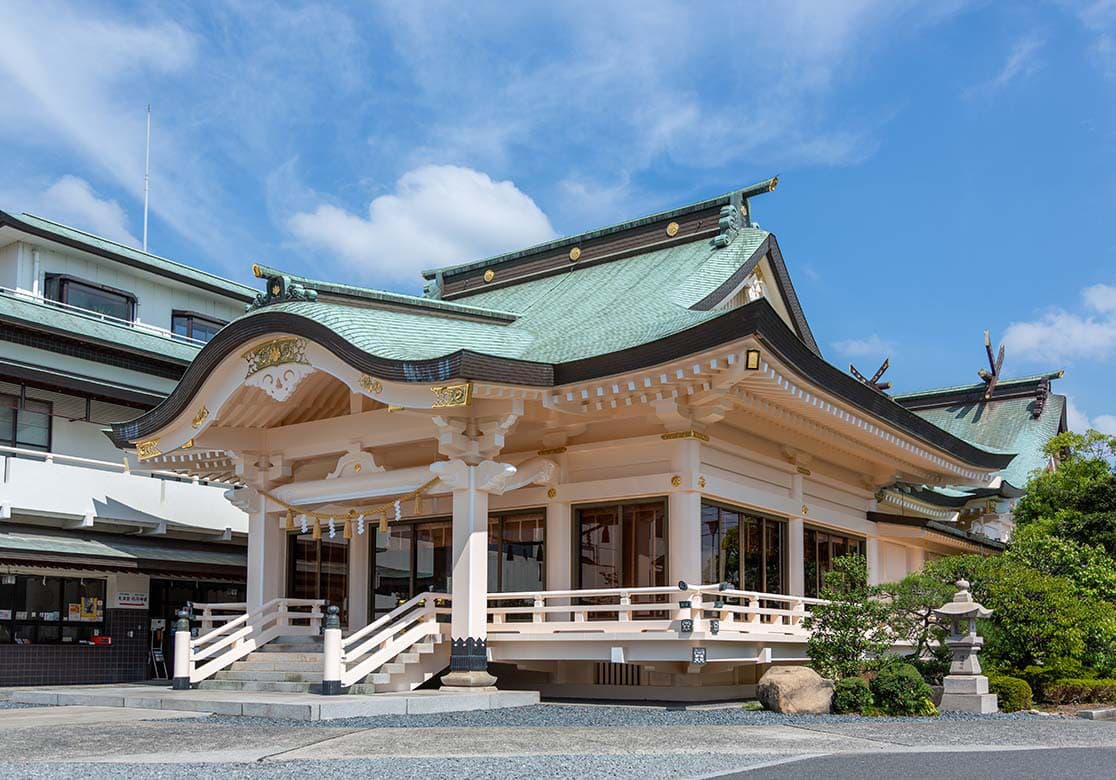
{"points": [[123, 599]]}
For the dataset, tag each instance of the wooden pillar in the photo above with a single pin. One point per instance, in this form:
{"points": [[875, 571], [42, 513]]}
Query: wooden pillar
{"points": [[559, 552], [872, 553], [267, 556], [796, 557], [359, 557]]}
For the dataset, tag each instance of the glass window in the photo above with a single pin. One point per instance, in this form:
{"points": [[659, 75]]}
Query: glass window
{"points": [[821, 547], [49, 610], [433, 556], [516, 555], [391, 569], [27, 426], [319, 569], [623, 546], [194, 326], [745, 551], [91, 297]]}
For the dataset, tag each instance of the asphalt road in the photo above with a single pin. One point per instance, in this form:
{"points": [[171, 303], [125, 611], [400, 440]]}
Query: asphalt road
{"points": [[1078, 763]]}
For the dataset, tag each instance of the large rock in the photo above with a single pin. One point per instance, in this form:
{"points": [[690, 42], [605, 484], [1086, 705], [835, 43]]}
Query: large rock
{"points": [[795, 690]]}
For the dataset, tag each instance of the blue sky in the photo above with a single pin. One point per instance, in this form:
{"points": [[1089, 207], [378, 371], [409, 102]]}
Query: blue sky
{"points": [[945, 167]]}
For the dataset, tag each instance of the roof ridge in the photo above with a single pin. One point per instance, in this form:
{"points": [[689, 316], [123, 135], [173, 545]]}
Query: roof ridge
{"points": [[1050, 375], [388, 297], [767, 185], [124, 248]]}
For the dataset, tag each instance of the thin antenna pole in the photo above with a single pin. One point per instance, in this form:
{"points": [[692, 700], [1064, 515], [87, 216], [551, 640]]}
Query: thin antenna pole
{"points": [[146, 176]]}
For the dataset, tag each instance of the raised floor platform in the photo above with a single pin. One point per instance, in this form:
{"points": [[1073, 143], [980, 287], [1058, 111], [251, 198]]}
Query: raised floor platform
{"points": [[287, 706]]}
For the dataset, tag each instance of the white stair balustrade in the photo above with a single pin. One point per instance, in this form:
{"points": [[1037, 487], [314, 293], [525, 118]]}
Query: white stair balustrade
{"points": [[398, 651], [237, 637]]}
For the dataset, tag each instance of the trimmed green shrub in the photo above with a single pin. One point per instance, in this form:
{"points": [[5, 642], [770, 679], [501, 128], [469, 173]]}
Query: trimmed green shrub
{"points": [[852, 695], [1013, 693], [850, 633], [1081, 692], [900, 690]]}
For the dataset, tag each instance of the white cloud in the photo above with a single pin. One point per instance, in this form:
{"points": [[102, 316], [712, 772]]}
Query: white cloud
{"points": [[1059, 336], [1022, 61], [1079, 422], [438, 215], [873, 346], [73, 202], [1099, 18]]}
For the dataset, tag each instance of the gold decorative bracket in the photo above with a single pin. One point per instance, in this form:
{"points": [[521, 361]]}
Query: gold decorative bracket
{"points": [[446, 396]]}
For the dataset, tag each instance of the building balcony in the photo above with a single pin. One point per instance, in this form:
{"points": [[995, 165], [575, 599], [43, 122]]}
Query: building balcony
{"points": [[82, 493]]}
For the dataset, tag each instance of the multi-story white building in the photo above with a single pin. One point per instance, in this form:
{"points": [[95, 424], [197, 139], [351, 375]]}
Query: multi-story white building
{"points": [[91, 550]]}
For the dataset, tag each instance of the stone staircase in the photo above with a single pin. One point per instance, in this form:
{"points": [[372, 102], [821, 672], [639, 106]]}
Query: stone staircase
{"points": [[294, 665]]}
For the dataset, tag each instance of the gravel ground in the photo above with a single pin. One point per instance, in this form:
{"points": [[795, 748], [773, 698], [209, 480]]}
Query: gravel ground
{"points": [[549, 715], [577, 767]]}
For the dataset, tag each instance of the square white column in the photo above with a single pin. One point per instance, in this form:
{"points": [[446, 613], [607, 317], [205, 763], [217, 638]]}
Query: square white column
{"points": [[267, 557], [359, 547]]}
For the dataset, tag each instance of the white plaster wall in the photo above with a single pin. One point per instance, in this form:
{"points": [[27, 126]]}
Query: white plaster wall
{"points": [[156, 296], [9, 266], [892, 561]]}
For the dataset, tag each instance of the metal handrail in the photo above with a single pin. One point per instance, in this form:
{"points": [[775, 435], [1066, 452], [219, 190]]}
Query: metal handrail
{"points": [[151, 330]]}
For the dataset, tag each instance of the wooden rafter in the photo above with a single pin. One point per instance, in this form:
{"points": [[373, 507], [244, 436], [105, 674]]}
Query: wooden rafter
{"points": [[874, 382]]}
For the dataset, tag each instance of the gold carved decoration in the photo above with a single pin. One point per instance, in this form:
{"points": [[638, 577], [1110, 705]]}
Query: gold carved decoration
{"points": [[685, 435], [672, 229], [188, 445], [803, 471], [275, 353], [551, 451], [489, 275], [369, 384], [551, 493], [452, 395], [701, 482], [575, 254], [148, 449], [200, 417], [805, 509], [676, 480]]}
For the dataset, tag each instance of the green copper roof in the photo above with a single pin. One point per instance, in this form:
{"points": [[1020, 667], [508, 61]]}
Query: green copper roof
{"points": [[591, 311], [43, 316], [45, 228], [1001, 385], [49, 541]]}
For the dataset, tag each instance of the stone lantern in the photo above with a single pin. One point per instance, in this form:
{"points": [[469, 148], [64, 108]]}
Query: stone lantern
{"points": [[965, 688]]}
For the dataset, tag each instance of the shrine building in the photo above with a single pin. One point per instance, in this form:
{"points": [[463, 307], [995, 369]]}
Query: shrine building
{"points": [[616, 464]]}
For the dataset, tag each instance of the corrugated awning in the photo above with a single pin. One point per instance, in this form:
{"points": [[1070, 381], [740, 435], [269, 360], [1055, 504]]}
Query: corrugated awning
{"points": [[46, 547]]}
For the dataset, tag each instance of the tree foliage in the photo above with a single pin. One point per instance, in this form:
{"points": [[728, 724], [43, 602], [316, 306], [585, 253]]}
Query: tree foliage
{"points": [[850, 633], [1076, 501]]}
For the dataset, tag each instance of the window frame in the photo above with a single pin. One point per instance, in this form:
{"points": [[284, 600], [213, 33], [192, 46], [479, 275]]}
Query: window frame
{"points": [[858, 546], [190, 317], [11, 437], [61, 293], [97, 627], [500, 518], [765, 517]]}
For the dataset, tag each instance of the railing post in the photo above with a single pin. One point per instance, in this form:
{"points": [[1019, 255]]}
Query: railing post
{"points": [[331, 674], [207, 620], [540, 603], [624, 615], [315, 617], [182, 662], [696, 611]]}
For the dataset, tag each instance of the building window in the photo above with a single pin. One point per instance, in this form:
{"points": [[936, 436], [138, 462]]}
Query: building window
{"points": [[745, 550], [50, 610], [91, 297], [194, 326], [622, 546], [24, 425], [516, 553], [820, 548], [319, 569]]}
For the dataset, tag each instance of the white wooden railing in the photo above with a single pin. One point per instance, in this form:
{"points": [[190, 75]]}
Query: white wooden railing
{"points": [[382, 640], [647, 611], [199, 658], [217, 613]]}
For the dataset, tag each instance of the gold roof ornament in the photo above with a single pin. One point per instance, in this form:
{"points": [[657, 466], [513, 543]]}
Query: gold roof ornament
{"points": [[575, 254], [489, 275], [451, 395], [370, 384], [672, 229], [275, 353], [145, 450], [200, 417]]}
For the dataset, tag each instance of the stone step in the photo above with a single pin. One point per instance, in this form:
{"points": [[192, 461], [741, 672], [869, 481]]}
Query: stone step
{"points": [[272, 647], [262, 665], [284, 658], [272, 687], [255, 676]]}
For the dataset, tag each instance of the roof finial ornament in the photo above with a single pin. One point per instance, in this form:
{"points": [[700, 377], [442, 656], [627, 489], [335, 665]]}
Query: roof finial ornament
{"points": [[994, 363], [874, 382]]}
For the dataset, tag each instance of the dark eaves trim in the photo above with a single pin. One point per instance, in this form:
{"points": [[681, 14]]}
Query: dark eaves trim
{"points": [[8, 220], [786, 287], [97, 389], [942, 528], [757, 318]]}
